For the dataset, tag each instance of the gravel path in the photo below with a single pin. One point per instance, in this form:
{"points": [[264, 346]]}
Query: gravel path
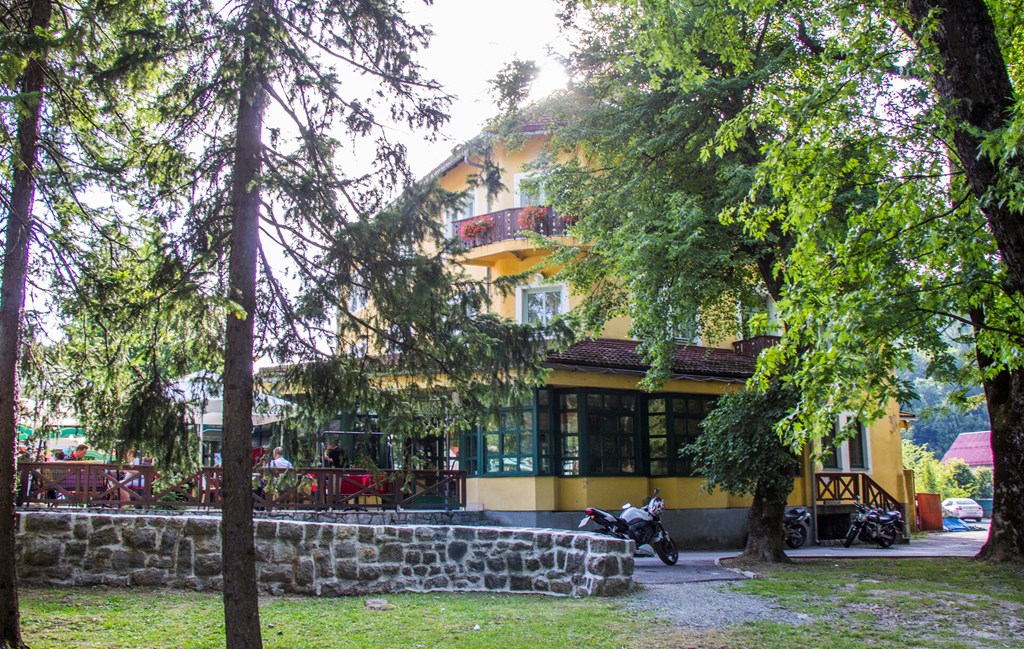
{"points": [[707, 605]]}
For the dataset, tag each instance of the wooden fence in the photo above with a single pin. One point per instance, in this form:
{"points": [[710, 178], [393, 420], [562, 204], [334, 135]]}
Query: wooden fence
{"points": [[59, 484]]}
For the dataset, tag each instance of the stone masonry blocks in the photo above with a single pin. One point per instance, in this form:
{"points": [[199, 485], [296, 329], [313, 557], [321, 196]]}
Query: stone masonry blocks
{"points": [[319, 558]]}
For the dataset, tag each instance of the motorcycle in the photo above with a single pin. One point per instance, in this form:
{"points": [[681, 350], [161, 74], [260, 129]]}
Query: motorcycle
{"points": [[798, 525], [872, 525], [641, 524]]}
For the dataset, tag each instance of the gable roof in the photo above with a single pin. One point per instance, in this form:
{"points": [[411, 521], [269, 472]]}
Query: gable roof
{"points": [[616, 356], [973, 448]]}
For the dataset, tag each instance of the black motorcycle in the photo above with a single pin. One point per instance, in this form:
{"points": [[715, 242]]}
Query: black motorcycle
{"points": [[641, 524], [872, 525], [798, 526]]}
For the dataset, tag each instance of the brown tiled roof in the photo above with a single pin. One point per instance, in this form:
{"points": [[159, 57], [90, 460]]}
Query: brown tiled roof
{"points": [[616, 355]]}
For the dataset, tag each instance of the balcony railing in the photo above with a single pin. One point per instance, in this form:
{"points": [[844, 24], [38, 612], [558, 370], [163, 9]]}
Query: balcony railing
{"points": [[752, 347], [506, 225], [58, 484]]}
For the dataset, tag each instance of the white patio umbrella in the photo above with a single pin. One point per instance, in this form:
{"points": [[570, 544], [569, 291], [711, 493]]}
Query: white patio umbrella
{"points": [[205, 392]]}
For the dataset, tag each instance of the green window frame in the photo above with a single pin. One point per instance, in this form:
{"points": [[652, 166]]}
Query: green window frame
{"points": [[612, 433], [673, 421]]}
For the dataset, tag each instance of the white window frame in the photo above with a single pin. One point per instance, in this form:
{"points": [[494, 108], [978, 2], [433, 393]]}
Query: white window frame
{"points": [[358, 299], [538, 286], [843, 450], [467, 212], [517, 181]]}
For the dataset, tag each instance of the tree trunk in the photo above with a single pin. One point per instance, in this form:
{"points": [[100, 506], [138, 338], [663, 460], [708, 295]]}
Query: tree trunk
{"points": [[764, 527], [974, 89], [12, 302], [1004, 395], [241, 597]]}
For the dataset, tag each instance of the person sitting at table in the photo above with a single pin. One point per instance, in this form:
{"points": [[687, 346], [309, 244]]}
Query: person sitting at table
{"points": [[334, 457], [78, 454], [279, 462]]}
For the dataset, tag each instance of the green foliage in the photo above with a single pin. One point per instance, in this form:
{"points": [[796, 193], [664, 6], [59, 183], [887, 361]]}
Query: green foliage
{"points": [[953, 479], [647, 201], [739, 451], [133, 321], [356, 295], [890, 253], [925, 466], [983, 483], [511, 85], [962, 482], [942, 414]]}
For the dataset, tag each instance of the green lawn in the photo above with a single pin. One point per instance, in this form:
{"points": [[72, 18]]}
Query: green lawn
{"points": [[947, 603], [86, 618], [944, 603]]}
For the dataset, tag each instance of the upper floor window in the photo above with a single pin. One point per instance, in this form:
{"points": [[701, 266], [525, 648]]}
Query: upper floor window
{"points": [[529, 190], [358, 298], [465, 210], [769, 319], [540, 305]]}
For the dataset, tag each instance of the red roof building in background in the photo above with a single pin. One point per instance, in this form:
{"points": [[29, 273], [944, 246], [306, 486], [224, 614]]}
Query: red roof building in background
{"points": [[973, 448]]}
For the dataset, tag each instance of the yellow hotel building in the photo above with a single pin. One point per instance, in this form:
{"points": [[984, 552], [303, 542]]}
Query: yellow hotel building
{"points": [[591, 437]]}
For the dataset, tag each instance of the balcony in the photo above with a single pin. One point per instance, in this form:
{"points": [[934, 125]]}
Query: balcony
{"points": [[507, 226], [753, 346]]}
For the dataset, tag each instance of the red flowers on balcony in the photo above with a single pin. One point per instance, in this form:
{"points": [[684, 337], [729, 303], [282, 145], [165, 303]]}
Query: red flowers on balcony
{"points": [[531, 218], [476, 228]]}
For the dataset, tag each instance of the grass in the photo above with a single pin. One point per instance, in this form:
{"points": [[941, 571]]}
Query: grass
{"points": [[941, 603], [87, 618]]}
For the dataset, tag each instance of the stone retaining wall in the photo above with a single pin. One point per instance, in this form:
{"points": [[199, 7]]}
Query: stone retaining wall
{"points": [[319, 558]]}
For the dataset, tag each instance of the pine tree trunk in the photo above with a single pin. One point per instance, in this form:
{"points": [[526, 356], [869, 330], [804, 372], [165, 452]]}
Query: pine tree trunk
{"points": [[974, 89], [12, 302], [764, 530], [241, 597]]}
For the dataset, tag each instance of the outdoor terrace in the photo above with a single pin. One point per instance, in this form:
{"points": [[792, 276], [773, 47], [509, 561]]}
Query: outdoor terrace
{"points": [[58, 484]]}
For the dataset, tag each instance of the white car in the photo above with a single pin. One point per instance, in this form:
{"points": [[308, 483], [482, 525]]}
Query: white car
{"points": [[963, 508]]}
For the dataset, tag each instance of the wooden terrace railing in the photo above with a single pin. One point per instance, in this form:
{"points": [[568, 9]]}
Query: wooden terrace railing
{"points": [[58, 484], [506, 226], [848, 488]]}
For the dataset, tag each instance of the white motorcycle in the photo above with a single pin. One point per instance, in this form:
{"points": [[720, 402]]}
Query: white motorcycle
{"points": [[641, 524]]}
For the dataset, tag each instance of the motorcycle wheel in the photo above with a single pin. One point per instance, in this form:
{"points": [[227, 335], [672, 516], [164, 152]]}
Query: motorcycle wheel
{"points": [[850, 536], [886, 536], [666, 550], [796, 537]]}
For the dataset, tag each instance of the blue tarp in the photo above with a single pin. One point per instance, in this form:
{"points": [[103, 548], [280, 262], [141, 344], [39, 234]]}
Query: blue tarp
{"points": [[953, 524]]}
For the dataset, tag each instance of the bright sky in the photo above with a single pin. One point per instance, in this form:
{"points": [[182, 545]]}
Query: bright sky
{"points": [[473, 40]]}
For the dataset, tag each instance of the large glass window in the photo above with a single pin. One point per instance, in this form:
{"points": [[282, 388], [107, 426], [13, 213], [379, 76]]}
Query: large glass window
{"points": [[545, 432], [541, 305], [569, 429], [672, 423], [509, 442], [611, 433]]}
